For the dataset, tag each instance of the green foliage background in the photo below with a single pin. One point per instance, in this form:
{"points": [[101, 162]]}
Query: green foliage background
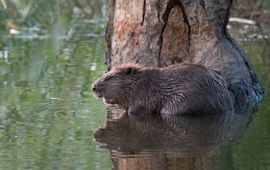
{"points": [[47, 112]]}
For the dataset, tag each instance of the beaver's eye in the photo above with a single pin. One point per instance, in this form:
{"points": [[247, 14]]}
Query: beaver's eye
{"points": [[130, 71]]}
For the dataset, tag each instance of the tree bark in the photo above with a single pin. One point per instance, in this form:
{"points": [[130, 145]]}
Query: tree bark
{"points": [[164, 32]]}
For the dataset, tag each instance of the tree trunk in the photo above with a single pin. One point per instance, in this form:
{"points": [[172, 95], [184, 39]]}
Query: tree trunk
{"points": [[164, 32]]}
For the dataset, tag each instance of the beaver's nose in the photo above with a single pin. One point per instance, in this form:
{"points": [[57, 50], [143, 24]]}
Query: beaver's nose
{"points": [[94, 88]]}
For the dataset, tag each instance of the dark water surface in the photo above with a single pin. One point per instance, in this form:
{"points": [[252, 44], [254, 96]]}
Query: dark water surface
{"points": [[52, 51]]}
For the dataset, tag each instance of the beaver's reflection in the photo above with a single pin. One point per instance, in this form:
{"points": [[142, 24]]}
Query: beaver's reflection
{"points": [[169, 142]]}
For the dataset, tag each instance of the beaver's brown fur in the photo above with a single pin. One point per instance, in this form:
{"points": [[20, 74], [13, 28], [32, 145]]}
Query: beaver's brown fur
{"points": [[177, 89]]}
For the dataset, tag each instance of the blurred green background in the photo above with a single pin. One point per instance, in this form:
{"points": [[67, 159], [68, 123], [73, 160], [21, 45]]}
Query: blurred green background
{"points": [[50, 53]]}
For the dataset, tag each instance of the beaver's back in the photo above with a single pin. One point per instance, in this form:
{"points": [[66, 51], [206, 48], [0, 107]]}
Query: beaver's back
{"points": [[194, 88]]}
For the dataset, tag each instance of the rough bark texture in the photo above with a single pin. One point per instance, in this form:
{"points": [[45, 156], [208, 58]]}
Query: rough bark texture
{"points": [[163, 32]]}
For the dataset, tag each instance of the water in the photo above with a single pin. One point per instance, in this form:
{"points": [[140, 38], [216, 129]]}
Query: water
{"points": [[51, 52]]}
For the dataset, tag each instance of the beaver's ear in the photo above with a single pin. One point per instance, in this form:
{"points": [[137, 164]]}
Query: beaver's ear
{"points": [[130, 71]]}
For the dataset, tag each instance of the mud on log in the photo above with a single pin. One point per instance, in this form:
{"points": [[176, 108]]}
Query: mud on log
{"points": [[164, 32]]}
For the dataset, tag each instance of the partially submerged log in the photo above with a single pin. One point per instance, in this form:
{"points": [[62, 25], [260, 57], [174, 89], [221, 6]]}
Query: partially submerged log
{"points": [[160, 33]]}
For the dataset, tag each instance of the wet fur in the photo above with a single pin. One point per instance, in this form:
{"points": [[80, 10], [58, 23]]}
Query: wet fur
{"points": [[178, 89]]}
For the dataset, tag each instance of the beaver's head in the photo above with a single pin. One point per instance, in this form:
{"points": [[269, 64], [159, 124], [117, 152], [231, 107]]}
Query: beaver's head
{"points": [[115, 85]]}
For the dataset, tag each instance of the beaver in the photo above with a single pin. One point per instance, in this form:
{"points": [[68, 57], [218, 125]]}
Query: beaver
{"points": [[177, 89]]}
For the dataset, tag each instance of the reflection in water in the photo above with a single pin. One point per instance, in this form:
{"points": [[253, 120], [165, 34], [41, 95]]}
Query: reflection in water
{"points": [[48, 115], [170, 142], [4, 55]]}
